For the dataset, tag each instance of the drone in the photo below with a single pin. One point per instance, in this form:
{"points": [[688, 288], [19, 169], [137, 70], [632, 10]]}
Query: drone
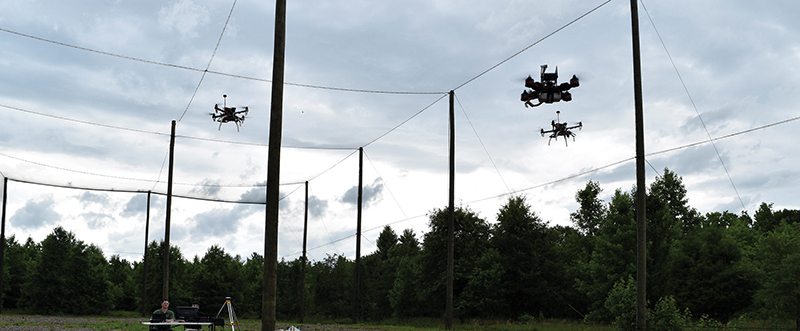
{"points": [[228, 114], [561, 129], [547, 91]]}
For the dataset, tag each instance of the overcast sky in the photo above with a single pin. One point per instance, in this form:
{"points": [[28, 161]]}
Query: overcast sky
{"points": [[89, 90]]}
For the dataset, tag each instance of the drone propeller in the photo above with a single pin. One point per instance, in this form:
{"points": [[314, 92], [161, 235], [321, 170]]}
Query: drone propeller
{"points": [[583, 76]]}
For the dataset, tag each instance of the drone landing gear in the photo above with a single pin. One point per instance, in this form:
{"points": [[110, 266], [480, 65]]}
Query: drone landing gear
{"points": [[566, 141], [220, 126], [231, 314]]}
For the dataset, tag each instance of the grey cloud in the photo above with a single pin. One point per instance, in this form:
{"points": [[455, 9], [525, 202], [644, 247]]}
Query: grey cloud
{"points": [[97, 220], [135, 206], [256, 194], [207, 188], [88, 198], [370, 193], [316, 206], [36, 214], [220, 222]]}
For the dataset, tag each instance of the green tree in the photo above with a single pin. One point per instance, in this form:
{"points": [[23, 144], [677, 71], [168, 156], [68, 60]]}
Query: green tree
{"points": [[380, 271], [483, 297], [613, 256], [666, 316], [707, 275], [527, 257], [404, 296], [216, 276], [589, 217], [19, 259], [621, 303], [573, 250], [123, 289], [178, 276], [253, 273], [68, 278], [777, 258], [288, 288], [767, 220], [332, 287], [668, 218], [471, 240]]}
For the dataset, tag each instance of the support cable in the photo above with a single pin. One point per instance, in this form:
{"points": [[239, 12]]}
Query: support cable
{"points": [[294, 183], [388, 189], [164, 134], [163, 163], [406, 121], [664, 45], [333, 166], [534, 44], [482, 145], [323, 224], [225, 26], [556, 181], [135, 192], [139, 179], [211, 71]]}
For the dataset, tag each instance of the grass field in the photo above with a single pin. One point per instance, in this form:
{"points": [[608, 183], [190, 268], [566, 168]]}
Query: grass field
{"points": [[131, 321], [11, 320]]}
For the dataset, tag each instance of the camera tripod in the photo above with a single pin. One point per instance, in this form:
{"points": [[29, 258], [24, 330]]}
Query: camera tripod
{"points": [[231, 314]]}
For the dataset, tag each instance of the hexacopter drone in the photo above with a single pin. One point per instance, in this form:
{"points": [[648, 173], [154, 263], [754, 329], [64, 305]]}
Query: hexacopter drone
{"points": [[561, 129], [228, 114], [547, 91]]}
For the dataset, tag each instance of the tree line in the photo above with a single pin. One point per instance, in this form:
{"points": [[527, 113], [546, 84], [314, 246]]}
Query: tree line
{"points": [[719, 266]]}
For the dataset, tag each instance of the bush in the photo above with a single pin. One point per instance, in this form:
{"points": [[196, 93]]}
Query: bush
{"points": [[666, 316], [621, 302]]}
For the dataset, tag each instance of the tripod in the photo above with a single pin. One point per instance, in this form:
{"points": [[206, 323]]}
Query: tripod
{"points": [[231, 314]]}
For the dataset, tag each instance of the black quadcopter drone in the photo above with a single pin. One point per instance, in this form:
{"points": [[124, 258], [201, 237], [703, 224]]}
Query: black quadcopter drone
{"points": [[561, 129], [547, 91], [228, 114]]}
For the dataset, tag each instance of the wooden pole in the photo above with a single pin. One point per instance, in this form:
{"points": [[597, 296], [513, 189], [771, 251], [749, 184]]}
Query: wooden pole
{"points": [[448, 324], [641, 196], [165, 281], [270, 283], [144, 260], [357, 272], [305, 261], [3, 240]]}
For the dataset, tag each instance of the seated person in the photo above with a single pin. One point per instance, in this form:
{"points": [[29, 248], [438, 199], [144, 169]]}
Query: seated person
{"points": [[200, 316], [168, 315]]}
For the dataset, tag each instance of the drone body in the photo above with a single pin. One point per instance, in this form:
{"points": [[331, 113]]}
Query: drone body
{"points": [[561, 129], [548, 90], [228, 114]]}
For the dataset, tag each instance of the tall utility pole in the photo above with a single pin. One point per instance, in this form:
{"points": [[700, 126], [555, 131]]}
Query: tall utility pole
{"points": [[358, 235], [3, 239], [270, 282], [144, 262], [165, 281], [641, 197], [305, 260], [448, 323]]}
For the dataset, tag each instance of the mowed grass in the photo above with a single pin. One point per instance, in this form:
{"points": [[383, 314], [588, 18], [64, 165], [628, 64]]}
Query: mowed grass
{"points": [[132, 321]]}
